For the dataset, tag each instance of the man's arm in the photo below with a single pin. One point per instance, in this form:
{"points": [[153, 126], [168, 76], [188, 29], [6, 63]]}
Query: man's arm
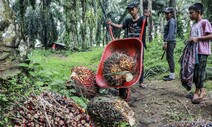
{"points": [[203, 38], [114, 24], [171, 31], [207, 32]]}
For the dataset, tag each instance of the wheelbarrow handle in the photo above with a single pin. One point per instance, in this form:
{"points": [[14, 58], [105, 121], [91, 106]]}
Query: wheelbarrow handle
{"points": [[111, 32], [142, 28]]}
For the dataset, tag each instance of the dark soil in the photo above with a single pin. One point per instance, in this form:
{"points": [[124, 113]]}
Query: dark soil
{"points": [[164, 103]]}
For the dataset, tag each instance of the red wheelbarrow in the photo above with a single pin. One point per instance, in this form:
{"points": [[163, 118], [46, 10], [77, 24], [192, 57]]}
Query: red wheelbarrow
{"points": [[132, 47]]}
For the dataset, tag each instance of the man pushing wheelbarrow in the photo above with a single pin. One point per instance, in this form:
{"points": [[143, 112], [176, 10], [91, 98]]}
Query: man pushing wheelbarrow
{"points": [[121, 64]]}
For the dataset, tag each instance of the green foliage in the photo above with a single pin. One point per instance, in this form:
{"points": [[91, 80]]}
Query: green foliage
{"points": [[208, 8], [83, 102], [38, 20], [51, 70], [123, 124], [11, 90], [40, 24], [44, 78], [65, 38], [47, 70], [60, 65], [153, 64], [208, 85], [180, 26]]}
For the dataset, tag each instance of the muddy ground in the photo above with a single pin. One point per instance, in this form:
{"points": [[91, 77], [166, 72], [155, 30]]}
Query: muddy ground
{"points": [[164, 103]]}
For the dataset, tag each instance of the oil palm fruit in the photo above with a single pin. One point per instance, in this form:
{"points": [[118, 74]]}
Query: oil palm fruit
{"points": [[84, 81], [107, 110], [118, 69], [48, 110]]}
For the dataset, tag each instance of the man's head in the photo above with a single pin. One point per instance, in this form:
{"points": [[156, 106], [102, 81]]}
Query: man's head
{"points": [[169, 13], [196, 11], [132, 9]]}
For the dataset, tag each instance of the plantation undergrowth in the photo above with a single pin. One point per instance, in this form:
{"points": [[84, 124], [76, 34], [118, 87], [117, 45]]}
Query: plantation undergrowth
{"points": [[50, 70]]}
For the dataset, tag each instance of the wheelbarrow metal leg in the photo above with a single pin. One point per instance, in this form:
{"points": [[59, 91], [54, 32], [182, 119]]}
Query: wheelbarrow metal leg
{"points": [[124, 93]]}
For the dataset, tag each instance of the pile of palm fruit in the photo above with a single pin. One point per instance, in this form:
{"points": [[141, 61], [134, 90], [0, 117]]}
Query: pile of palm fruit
{"points": [[118, 69], [84, 81], [49, 110], [108, 110]]}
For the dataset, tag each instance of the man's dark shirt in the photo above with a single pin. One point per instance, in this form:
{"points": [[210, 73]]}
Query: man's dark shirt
{"points": [[133, 28]]}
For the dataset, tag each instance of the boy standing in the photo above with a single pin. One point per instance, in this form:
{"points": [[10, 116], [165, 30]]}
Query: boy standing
{"points": [[170, 31], [201, 35]]}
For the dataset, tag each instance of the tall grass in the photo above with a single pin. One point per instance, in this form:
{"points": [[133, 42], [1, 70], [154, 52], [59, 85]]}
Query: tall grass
{"points": [[153, 62], [61, 62]]}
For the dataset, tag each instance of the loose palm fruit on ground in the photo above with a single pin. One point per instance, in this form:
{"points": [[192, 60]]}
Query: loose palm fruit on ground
{"points": [[49, 109], [107, 110], [84, 81]]}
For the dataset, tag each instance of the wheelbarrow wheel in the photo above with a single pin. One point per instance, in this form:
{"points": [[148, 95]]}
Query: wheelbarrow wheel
{"points": [[124, 93]]}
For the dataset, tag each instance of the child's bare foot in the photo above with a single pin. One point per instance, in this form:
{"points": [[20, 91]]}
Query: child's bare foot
{"points": [[196, 99], [196, 96], [202, 93]]}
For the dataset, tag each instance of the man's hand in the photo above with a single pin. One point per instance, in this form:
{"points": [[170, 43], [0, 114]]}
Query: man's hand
{"points": [[147, 13], [194, 39], [109, 22], [165, 46]]}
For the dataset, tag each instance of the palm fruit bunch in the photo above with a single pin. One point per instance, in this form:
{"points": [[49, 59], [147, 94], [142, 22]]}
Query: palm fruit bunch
{"points": [[108, 110], [118, 68], [49, 110], [84, 81]]}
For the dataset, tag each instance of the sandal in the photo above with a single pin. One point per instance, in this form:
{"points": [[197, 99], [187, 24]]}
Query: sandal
{"points": [[190, 95], [142, 85]]}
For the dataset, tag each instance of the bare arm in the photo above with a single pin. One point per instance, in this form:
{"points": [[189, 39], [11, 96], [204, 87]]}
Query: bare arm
{"points": [[207, 32], [117, 25], [114, 24], [203, 38]]}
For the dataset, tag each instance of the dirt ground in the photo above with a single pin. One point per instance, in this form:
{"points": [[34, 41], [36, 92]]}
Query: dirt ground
{"points": [[162, 104]]}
